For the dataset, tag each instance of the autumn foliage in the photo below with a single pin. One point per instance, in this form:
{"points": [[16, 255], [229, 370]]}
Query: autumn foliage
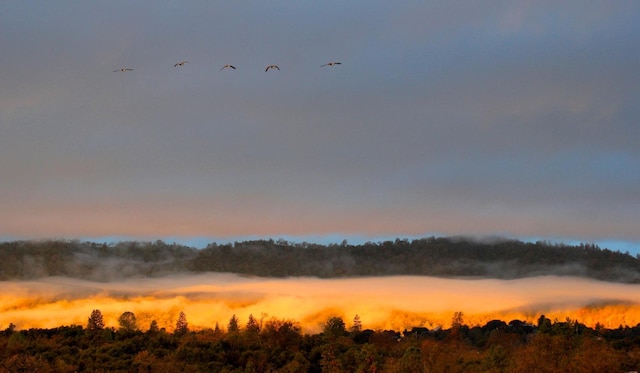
{"points": [[276, 345]]}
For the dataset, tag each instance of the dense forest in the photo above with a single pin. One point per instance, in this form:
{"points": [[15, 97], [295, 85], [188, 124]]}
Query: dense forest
{"points": [[432, 256], [276, 345]]}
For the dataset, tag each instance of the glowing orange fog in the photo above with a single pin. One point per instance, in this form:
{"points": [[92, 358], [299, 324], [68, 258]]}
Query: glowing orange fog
{"points": [[381, 302]]}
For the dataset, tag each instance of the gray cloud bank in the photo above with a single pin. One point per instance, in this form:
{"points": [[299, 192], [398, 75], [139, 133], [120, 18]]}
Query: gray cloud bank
{"points": [[501, 118]]}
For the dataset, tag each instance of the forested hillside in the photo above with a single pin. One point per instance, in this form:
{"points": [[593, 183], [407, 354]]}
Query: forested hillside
{"points": [[506, 259], [276, 345]]}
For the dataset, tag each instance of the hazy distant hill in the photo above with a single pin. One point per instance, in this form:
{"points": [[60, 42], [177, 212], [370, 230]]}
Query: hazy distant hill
{"points": [[446, 257]]}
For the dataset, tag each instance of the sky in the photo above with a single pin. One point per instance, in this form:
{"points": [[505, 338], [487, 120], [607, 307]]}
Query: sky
{"points": [[518, 119]]}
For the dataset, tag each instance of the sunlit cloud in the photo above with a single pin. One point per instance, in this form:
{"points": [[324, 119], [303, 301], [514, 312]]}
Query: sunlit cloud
{"points": [[381, 302]]}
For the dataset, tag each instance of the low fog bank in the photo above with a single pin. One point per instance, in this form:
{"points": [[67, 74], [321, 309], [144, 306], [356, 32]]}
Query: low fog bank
{"points": [[92, 261], [440, 257], [394, 302]]}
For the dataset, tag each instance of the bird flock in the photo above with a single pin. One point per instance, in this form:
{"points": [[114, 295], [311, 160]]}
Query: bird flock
{"points": [[269, 67]]}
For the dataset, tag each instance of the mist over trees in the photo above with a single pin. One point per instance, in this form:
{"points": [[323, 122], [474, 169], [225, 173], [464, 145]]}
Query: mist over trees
{"points": [[92, 261], [432, 256], [277, 345], [270, 345]]}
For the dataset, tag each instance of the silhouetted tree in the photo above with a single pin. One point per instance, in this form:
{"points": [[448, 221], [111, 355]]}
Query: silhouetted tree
{"points": [[127, 322], [233, 326], [182, 326], [357, 325], [253, 327], [544, 324], [153, 327], [10, 329], [283, 334], [96, 321], [457, 320], [335, 327], [457, 327]]}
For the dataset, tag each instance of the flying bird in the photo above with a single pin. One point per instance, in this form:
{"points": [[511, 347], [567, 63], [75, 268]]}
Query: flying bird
{"points": [[225, 66], [272, 67], [180, 63], [331, 64], [122, 70]]}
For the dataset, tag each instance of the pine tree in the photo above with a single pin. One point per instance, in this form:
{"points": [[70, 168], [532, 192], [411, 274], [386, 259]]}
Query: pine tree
{"points": [[252, 325], [233, 324], [457, 320], [182, 326], [357, 325]]}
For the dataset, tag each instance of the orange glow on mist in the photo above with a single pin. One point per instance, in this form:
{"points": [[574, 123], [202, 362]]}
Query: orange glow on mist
{"points": [[381, 302]]}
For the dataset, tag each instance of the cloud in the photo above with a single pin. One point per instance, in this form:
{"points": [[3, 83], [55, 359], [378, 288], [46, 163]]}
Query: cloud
{"points": [[442, 118], [385, 302]]}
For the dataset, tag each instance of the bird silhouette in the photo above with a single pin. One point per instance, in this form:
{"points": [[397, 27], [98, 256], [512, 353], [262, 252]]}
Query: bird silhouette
{"points": [[225, 66], [122, 70], [180, 63], [331, 64], [272, 67]]}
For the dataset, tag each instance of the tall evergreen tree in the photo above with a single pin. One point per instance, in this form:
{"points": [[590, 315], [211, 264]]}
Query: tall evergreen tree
{"points": [[252, 325], [357, 324], [233, 324], [182, 326]]}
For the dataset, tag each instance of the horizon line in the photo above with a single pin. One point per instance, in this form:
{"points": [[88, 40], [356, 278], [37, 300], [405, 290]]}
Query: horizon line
{"points": [[202, 241]]}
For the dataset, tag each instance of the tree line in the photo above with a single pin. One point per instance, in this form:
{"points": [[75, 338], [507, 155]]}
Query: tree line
{"points": [[431, 256], [277, 345]]}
